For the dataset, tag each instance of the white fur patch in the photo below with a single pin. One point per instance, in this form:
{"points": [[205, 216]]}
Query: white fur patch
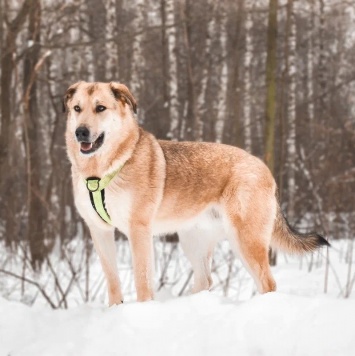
{"points": [[211, 219]]}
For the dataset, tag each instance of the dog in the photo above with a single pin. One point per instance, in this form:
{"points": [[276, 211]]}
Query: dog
{"points": [[124, 178]]}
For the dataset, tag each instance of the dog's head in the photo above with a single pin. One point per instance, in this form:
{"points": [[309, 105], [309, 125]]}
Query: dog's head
{"points": [[97, 117]]}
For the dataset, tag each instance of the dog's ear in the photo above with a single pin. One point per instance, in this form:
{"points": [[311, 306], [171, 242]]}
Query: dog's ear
{"points": [[121, 92], [68, 95]]}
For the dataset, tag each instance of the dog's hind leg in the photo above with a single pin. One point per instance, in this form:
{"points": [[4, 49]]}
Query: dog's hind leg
{"points": [[105, 247], [252, 224], [198, 249]]}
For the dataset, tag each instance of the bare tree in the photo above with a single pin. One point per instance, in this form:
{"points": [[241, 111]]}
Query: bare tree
{"points": [[172, 70], [322, 60], [222, 92], [97, 32], [36, 233], [138, 60], [291, 112], [271, 94], [310, 67], [8, 49], [201, 99], [247, 75], [271, 84], [112, 64]]}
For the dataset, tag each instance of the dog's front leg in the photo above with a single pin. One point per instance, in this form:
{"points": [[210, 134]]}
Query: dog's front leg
{"points": [[104, 242], [141, 241]]}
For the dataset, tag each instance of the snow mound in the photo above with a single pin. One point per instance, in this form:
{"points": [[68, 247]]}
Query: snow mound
{"points": [[202, 324]]}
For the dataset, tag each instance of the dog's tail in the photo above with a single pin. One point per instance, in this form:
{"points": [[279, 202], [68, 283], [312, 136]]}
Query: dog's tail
{"points": [[286, 238]]}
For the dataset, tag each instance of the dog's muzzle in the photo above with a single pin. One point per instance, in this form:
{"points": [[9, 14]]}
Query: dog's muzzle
{"points": [[82, 134], [87, 145]]}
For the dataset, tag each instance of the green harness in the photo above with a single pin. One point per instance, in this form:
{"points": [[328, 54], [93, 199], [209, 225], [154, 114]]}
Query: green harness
{"points": [[96, 188]]}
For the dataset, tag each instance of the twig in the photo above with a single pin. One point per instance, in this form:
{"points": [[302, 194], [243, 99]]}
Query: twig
{"points": [[56, 281], [349, 281], [40, 288], [186, 283], [162, 277]]}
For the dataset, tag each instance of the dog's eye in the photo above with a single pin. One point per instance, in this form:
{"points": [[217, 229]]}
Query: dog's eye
{"points": [[77, 108], [100, 108]]}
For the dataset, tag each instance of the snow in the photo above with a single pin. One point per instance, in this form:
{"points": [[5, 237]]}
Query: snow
{"points": [[201, 324], [299, 319]]}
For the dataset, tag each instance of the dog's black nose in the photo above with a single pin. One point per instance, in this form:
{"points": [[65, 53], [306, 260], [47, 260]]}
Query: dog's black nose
{"points": [[82, 134]]}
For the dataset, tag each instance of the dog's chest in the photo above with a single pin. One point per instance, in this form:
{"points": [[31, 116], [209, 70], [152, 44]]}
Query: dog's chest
{"points": [[117, 204]]}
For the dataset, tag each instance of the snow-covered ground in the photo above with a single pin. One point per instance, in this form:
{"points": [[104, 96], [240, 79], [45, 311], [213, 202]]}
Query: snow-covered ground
{"points": [[299, 319], [201, 324]]}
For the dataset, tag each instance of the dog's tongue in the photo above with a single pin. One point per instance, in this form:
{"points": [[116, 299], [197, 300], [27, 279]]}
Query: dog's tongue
{"points": [[85, 146]]}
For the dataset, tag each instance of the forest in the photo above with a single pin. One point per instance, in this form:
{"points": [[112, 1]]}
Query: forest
{"points": [[275, 77]]}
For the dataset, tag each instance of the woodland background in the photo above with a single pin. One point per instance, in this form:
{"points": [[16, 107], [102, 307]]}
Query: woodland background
{"points": [[274, 77]]}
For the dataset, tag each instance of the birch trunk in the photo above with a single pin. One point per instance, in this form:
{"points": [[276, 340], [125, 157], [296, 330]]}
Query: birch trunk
{"points": [[201, 102], [172, 71], [247, 75], [222, 92], [164, 57], [202, 98], [111, 50], [138, 61], [322, 61], [291, 112], [310, 70]]}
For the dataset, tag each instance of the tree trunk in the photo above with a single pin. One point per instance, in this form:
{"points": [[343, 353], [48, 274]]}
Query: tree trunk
{"points": [[234, 127], [322, 63], [7, 196], [291, 112], [138, 60], [222, 92], [271, 94], [247, 75], [121, 42], [97, 33], [310, 70], [271, 84], [7, 67], [110, 50], [172, 70], [36, 213], [201, 99], [164, 124], [191, 125]]}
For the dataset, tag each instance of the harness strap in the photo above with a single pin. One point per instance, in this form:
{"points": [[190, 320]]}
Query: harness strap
{"points": [[96, 188]]}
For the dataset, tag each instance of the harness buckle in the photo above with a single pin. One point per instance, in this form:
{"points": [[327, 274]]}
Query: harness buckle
{"points": [[93, 184]]}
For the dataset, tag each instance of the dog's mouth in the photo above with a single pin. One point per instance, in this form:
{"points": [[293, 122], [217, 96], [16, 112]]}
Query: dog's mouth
{"points": [[90, 147]]}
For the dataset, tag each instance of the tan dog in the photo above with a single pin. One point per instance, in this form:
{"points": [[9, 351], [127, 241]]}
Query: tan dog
{"points": [[203, 191]]}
